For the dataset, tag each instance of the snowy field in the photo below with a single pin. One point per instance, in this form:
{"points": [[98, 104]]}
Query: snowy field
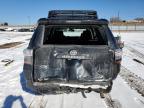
{"points": [[127, 90]]}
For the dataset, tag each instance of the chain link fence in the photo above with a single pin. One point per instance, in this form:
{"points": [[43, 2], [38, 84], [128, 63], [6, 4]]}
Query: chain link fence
{"points": [[127, 27]]}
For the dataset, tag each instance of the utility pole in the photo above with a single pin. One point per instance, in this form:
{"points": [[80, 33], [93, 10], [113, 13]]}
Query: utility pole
{"points": [[119, 21], [118, 16], [29, 20]]}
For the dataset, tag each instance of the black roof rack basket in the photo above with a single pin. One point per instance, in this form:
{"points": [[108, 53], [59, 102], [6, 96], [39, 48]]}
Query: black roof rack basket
{"points": [[82, 14]]}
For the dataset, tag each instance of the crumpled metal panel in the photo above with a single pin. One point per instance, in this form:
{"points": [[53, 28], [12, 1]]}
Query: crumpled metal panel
{"points": [[95, 64]]}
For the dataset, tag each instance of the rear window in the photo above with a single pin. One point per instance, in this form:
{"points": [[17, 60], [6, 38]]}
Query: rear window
{"points": [[76, 35]]}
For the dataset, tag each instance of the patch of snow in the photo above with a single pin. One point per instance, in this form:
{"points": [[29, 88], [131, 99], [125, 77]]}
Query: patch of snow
{"points": [[15, 94]]}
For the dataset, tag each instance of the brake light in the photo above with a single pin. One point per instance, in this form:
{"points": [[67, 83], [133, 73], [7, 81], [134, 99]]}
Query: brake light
{"points": [[28, 55], [118, 55]]}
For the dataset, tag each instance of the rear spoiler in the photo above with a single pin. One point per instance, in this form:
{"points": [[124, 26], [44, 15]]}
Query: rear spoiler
{"points": [[45, 21]]}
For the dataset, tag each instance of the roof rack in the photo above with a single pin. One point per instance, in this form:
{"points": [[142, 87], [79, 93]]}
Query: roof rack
{"points": [[72, 14], [72, 17]]}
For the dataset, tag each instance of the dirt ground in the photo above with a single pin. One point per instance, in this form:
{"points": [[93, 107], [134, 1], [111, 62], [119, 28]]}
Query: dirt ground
{"points": [[9, 45]]}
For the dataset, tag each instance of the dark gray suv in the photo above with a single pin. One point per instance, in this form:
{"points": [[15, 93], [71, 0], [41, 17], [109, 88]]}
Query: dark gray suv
{"points": [[72, 51]]}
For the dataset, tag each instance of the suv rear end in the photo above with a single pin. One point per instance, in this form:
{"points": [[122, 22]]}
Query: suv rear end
{"points": [[72, 51]]}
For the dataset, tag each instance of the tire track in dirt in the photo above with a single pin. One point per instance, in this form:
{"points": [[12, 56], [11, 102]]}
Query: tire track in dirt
{"points": [[44, 101], [110, 103], [133, 80], [13, 48], [36, 103], [137, 53]]}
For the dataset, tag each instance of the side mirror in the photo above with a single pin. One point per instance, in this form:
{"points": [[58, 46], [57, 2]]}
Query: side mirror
{"points": [[119, 42]]}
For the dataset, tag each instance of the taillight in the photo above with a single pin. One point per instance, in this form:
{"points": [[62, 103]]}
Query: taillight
{"points": [[28, 52], [28, 55], [118, 55]]}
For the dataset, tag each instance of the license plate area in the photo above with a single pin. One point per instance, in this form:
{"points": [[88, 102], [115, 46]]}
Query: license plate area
{"points": [[83, 57]]}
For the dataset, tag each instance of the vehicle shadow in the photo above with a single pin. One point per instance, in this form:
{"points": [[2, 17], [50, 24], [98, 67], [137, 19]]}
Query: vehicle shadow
{"points": [[23, 84], [11, 99]]}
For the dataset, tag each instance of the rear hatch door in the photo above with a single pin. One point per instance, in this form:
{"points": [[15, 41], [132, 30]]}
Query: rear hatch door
{"points": [[73, 63]]}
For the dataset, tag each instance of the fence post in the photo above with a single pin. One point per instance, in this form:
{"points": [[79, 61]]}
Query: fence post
{"points": [[126, 27], [135, 27]]}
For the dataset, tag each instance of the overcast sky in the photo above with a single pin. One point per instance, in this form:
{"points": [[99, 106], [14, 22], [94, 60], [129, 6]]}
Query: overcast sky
{"points": [[29, 11]]}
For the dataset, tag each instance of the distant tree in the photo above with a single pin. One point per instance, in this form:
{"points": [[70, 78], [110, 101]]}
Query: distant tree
{"points": [[5, 24], [124, 21]]}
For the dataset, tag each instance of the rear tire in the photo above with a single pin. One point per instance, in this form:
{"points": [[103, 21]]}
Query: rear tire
{"points": [[109, 88]]}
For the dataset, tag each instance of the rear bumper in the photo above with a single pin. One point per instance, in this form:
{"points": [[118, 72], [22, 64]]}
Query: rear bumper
{"points": [[94, 86], [45, 87]]}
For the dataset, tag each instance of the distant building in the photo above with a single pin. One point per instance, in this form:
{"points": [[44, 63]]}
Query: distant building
{"points": [[139, 19], [135, 21]]}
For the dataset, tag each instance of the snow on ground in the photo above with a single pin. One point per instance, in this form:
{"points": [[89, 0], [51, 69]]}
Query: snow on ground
{"points": [[128, 97], [133, 39], [11, 77], [6, 37], [134, 49], [14, 94]]}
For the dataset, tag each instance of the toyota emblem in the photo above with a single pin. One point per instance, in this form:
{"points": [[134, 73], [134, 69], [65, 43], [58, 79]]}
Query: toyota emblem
{"points": [[73, 52]]}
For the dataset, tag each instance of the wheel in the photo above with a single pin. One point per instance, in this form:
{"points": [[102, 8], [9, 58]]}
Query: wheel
{"points": [[109, 88]]}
